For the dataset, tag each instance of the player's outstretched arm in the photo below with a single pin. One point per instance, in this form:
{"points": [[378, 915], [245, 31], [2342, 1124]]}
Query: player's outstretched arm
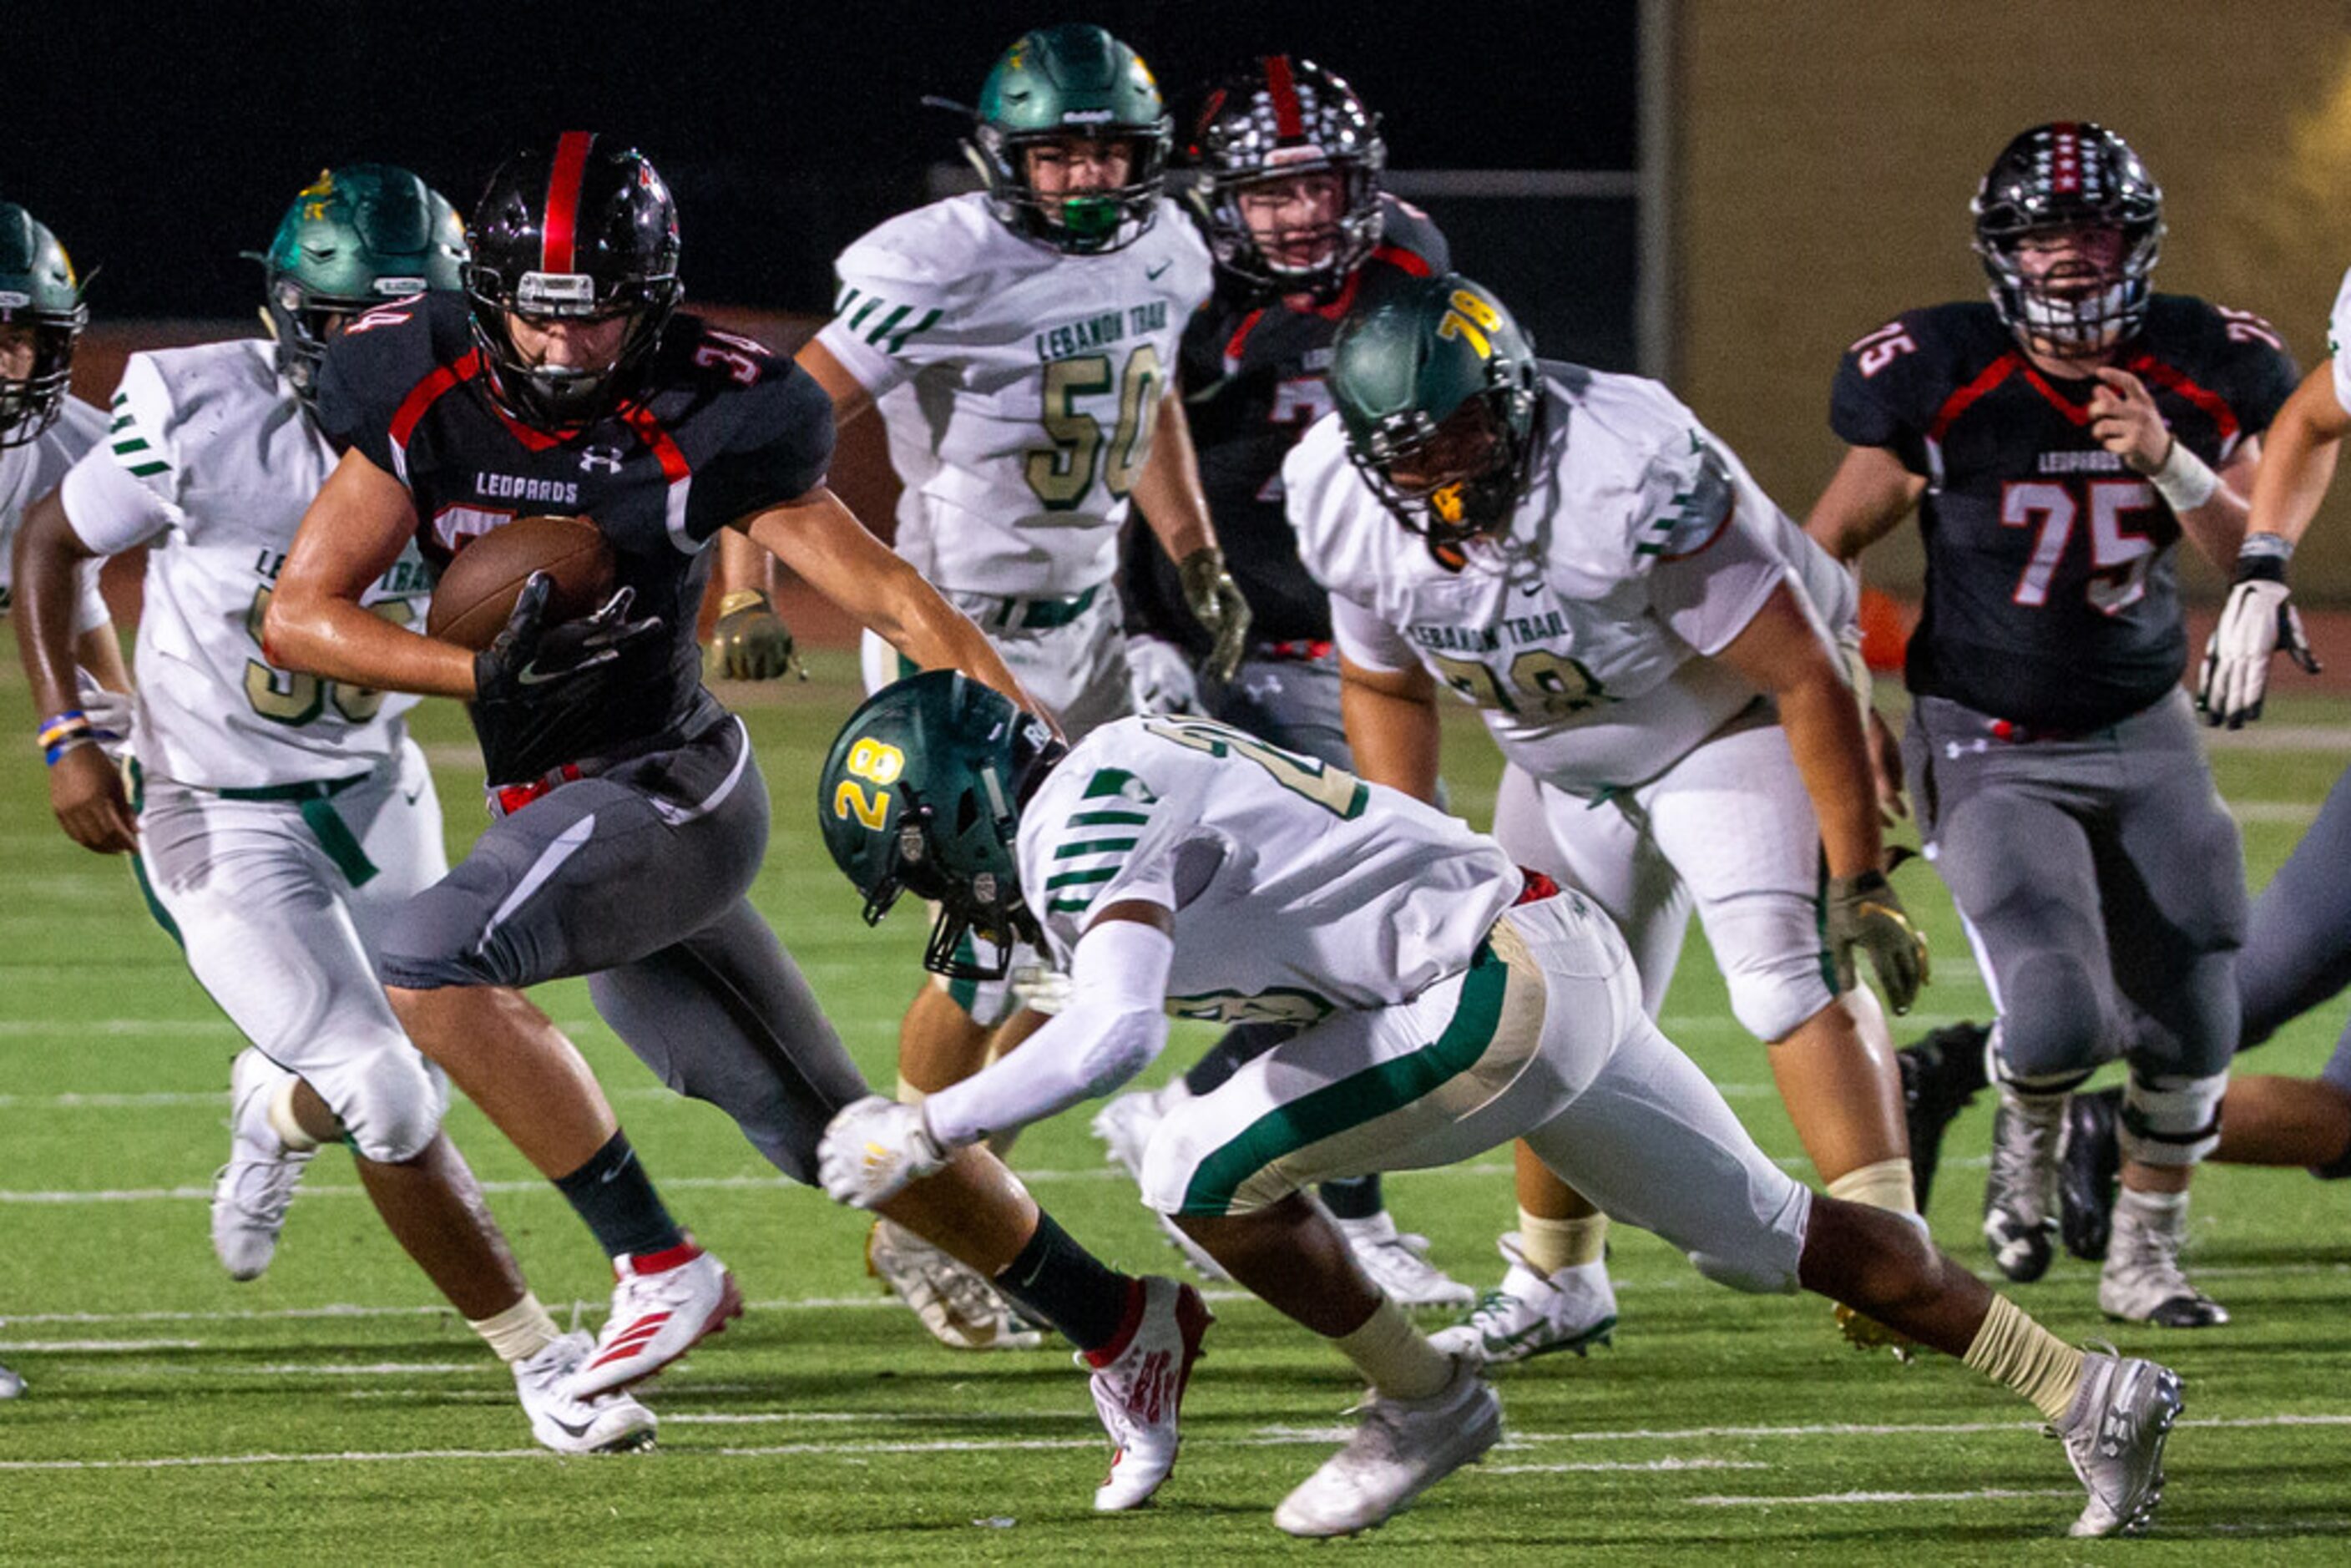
{"points": [[2292, 478], [355, 528], [1176, 509], [823, 541], [1870, 492], [85, 790], [1782, 654], [1112, 1027], [1392, 729]]}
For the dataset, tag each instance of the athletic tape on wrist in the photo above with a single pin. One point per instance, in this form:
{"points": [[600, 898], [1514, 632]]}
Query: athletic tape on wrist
{"points": [[2185, 481]]}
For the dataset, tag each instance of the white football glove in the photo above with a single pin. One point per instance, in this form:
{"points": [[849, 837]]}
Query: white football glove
{"points": [[2258, 620], [873, 1149], [1040, 987], [1161, 678], [109, 719]]}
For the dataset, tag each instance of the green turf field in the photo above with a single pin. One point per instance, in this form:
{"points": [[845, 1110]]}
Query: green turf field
{"points": [[333, 1410]]}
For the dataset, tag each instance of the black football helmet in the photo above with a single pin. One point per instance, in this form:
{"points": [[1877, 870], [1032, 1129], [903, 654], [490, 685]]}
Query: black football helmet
{"points": [[585, 231], [1275, 118], [37, 290], [2065, 176]]}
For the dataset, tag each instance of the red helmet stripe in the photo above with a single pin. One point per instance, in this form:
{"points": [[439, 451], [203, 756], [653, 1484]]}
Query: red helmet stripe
{"points": [[1281, 86], [2065, 159], [563, 182]]}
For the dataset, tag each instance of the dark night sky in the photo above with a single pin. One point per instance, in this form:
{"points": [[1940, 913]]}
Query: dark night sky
{"points": [[159, 140]]}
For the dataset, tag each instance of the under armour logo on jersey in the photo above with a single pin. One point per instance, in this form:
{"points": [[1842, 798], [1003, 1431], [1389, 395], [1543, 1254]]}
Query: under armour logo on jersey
{"points": [[599, 460]]}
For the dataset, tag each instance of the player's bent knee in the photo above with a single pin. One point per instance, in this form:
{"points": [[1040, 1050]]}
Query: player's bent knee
{"points": [[1195, 1166], [2052, 1024], [1773, 1000], [2171, 1121], [390, 1102], [1754, 1276]]}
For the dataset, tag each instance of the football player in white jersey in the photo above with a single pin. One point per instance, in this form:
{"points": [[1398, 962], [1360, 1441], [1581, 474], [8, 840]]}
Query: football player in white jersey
{"points": [[42, 430], [1022, 345], [1648, 639], [276, 820], [1452, 1001]]}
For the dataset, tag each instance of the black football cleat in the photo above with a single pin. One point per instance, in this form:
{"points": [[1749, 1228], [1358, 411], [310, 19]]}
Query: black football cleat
{"points": [[2089, 1161], [1940, 1074]]}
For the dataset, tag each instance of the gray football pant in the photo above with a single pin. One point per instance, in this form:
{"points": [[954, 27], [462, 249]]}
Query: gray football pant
{"points": [[2098, 875], [2298, 944], [636, 878]]}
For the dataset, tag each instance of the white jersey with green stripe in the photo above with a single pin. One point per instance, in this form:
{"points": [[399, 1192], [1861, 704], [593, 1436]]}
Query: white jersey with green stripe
{"points": [[210, 461], [1020, 386], [1585, 634], [1297, 888], [31, 471]]}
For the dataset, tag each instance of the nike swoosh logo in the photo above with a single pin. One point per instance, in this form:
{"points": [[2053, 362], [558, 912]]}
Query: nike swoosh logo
{"points": [[1154, 272], [412, 796], [576, 1431]]}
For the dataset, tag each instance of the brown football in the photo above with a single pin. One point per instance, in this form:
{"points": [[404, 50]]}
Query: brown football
{"points": [[478, 587]]}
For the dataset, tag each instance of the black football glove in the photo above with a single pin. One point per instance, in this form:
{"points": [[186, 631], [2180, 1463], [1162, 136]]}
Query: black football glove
{"points": [[750, 642], [531, 656], [1215, 601], [1865, 913]]}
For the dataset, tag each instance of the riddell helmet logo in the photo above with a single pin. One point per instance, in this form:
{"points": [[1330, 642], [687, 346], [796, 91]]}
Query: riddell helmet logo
{"points": [[12, 300], [556, 291], [399, 288], [1086, 117]]}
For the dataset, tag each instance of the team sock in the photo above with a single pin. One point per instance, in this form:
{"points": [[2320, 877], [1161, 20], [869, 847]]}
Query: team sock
{"points": [[1395, 1357], [2017, 1353], [520, 1332], [1353, 1197], [612, 1194], [283, 1121], [1550, 1245], [1886, 1184], [1054, 1279]]}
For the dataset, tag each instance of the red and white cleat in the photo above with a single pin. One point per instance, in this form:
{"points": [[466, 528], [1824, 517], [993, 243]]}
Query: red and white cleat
{"points": [[663, 1304], [1138, 1389]]}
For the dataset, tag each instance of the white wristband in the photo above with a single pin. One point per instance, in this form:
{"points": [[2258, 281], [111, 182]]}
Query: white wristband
{"points": [[2185, 481]]}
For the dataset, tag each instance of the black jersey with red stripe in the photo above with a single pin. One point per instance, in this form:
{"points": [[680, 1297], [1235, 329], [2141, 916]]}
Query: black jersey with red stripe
{"points": [[2053, 593], [1252, 379], [724, 430]]}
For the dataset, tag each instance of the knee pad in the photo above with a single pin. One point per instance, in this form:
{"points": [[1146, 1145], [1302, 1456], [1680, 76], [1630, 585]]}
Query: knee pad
{"points": [[2168, 1120], [391, 1101], [1771, 955], [2053, 1028]]}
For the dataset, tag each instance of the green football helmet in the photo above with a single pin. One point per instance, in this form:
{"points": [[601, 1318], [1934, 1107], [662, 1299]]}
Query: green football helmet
{"points": [[922, 793], [355, 238], [37, 290], [1438, 392], [1072, 80]]}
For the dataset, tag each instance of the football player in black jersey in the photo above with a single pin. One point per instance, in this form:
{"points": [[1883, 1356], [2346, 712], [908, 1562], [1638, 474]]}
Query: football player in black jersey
{"points": [[1289, 161], [2058, 441], [629, 813]]}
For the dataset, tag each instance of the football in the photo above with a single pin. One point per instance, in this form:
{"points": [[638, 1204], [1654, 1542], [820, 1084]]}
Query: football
{"points": [[478, 587]]}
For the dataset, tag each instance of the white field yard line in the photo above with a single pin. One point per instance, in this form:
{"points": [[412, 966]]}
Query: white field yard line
{"points": [[1275, 1436], [1849, 1499]]}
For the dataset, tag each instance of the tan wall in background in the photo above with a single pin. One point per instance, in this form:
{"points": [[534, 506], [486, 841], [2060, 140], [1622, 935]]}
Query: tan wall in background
{"points": [[1827, 152]]}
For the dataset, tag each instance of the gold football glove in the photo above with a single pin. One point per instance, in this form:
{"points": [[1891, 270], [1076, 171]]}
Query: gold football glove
{"points": [[750, 642], [1865, 913], [1215, 601]]}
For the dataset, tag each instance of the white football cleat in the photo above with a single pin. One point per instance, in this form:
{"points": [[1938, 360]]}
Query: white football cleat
{"points": [[1401, 1448], [2114, 1438], [663, 1304], [2020, 1217], [1140, 1393], [11, 1384], [602, 1424], [1529, 1315], [1398, 1264], [962, 1310], [2142, 1281], [251, 1193]]}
